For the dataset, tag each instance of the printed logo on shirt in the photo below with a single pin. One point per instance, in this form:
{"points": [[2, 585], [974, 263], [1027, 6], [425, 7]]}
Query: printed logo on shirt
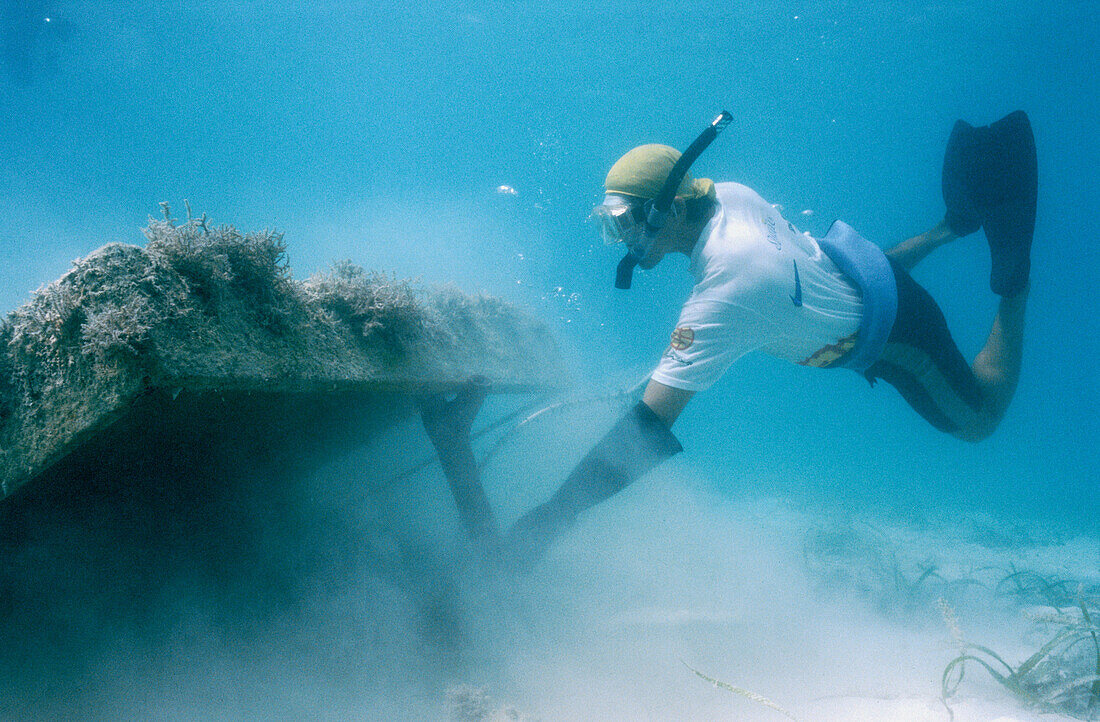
{"points": [[796, 298], [682, 337], [773, 237]]}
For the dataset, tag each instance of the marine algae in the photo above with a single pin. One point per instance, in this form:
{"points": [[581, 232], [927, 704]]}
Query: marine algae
{"points": [[209, 308]]}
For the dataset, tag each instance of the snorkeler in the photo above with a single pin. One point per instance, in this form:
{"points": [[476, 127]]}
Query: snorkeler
{"points": [[833, 302]]}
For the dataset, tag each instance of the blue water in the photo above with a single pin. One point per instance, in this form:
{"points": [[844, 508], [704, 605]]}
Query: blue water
{"points": [[380, 133]]}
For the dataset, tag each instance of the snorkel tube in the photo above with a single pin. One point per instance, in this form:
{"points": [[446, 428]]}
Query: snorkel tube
{"points": [[656, 210]]}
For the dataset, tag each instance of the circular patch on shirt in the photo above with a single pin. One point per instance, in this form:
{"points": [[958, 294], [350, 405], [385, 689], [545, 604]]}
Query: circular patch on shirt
{"points": [[682, 338]]}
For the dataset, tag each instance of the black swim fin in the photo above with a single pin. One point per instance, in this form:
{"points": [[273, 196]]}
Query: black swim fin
{"points": [[990, 181]]}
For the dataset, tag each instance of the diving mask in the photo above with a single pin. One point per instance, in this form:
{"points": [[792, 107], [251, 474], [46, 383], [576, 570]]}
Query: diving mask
{"points": [[619, 219]]}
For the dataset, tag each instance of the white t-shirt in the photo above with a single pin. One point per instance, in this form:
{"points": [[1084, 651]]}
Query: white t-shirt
{"points": [[759, 285]]}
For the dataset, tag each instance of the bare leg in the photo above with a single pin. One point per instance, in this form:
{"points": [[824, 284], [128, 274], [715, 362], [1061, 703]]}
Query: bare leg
{"points": [[997, 365], [996, 368], [909, 253]]}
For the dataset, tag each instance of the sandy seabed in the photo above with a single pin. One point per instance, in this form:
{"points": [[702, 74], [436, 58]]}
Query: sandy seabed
{"points": [[366, 605], [829, 618]]}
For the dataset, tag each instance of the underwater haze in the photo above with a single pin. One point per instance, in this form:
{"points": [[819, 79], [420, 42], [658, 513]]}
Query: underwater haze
{"points": [[466, 143]]}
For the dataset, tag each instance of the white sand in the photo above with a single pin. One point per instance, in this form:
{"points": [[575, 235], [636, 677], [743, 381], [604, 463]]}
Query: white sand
{"points": [[803, 610]]}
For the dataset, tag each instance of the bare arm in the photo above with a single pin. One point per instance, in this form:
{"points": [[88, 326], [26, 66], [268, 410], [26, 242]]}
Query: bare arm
{"points": [[665, 401]]}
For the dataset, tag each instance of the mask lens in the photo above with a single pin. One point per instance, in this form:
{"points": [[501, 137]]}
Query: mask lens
{"points": [[617, 223]]}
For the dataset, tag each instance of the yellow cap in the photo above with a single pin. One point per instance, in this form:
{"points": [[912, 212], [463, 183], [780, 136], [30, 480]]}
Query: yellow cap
{"points": [[643, 170]]}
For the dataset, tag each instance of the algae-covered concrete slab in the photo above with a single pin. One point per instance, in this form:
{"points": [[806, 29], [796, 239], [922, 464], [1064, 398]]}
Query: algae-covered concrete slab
{"points": [[204, 331]]}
